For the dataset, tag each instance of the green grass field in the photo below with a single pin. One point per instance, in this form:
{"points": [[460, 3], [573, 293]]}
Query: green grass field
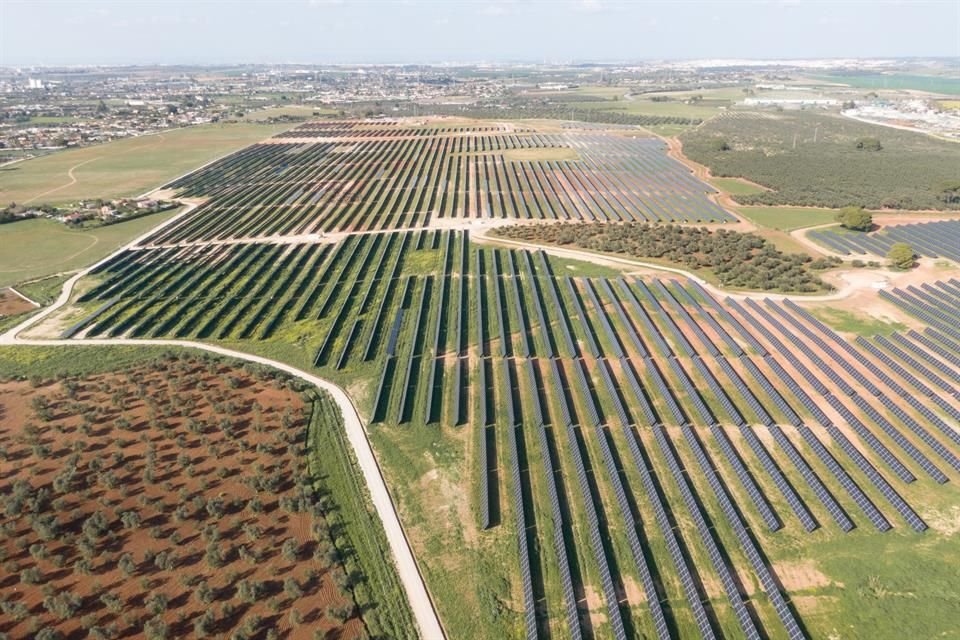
{"points": [[932, 84], [125, 167], [850, 322], [37, 248], [45, 290], [787, 218], [643, 107], [735, 187]]}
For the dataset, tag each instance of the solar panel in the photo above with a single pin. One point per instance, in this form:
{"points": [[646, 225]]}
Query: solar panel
{"points": [[769, 584], [786, 489], [596, 543], [670, 536], [709, 319], [644, 319], [688, 320], [720, 566], [854, 491], [633, 540], [811, 478], [559, 545]]}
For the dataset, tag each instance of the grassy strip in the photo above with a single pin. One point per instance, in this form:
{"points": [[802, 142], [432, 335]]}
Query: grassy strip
{"points": [[360, 537], [787, 218], [42, 362], [44, 291]]}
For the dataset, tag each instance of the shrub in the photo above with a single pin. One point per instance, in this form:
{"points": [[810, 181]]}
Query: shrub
{"points": [[868, 144], [292, 589], [157, 603], [64, 605], [855, 218], [901, 256], [339, 613], [156, 629], [742, 260]]}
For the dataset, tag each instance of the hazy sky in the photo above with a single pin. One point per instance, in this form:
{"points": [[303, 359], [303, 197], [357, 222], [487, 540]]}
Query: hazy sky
{"points": [[318, 31]]}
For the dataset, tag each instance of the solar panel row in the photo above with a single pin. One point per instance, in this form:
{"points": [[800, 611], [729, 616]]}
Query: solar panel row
{"points": [[720, 566], [770, 585]]}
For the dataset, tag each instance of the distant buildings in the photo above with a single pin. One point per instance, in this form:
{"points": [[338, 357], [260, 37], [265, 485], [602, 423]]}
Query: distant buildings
{"points": [[794, 103]]}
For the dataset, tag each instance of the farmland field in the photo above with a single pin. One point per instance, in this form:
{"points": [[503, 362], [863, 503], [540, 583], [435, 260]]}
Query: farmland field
{"points": [[123, 168], [787, 218], [236, 548], [932, 84], [37, 248], [812, 159], [736, 187], [576, 451]]}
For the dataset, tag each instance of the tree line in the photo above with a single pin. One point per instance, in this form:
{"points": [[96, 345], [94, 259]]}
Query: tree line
{"points": [[738, 260]]}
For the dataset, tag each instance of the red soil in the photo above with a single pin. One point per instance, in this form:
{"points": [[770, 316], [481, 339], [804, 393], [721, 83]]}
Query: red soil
{"points": [[214, 434], [11, 304]]}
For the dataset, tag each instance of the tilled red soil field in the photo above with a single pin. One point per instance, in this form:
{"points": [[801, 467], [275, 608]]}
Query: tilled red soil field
{"points": [[11, 304], [166, 501]]}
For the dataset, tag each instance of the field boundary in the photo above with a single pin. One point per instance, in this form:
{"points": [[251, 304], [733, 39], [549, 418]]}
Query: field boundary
{"points": [[17, 293]]}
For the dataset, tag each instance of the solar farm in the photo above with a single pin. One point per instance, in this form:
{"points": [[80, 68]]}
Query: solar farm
{"points": [[625, 456], [930, 239], [356, 176]]}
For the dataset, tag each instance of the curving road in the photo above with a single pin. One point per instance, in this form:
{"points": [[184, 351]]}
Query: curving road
{"points": [[424, 613], [586, 256]]}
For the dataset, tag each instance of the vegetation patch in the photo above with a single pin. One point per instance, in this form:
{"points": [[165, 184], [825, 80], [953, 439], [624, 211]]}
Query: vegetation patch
{"points": [[178, 498], [742, 260], [124, 167], [820, 160], [851, 322], [736, 187], [38, 248], [787, 218]]}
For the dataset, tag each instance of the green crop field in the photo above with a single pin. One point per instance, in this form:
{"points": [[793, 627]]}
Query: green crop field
{"points": [[932, 84], [735, 186], [296, 111], [125, 167], [787, 218], [857, 323], [645, 107], [36, 248]]}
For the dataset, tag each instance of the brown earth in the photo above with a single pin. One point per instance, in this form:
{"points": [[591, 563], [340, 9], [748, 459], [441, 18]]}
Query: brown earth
{"points": [[11, 304], [168, 466]]}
